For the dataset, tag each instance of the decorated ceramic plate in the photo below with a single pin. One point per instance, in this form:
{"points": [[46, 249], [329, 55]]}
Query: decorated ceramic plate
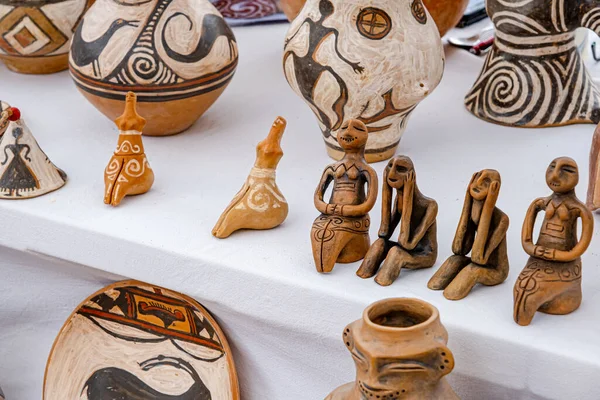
{"points": [[137, 341]]}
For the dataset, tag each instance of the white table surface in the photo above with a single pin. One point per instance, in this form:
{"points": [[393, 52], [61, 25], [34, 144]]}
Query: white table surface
{"points": [[282, 317]]}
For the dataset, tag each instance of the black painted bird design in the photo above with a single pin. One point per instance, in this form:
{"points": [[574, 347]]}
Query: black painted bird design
{"points": [[85, 53]]}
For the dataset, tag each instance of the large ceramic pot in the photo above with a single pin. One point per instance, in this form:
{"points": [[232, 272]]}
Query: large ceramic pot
{"points": [[370, 61], [176, 55], [445, 13], [399, 348], [35, 34]]}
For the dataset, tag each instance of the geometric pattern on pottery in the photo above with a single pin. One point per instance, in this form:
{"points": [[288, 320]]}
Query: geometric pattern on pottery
{"points": [[161, 49], [369, 61], [534, 75], [39, 28], [246, 9], [138, 341]]}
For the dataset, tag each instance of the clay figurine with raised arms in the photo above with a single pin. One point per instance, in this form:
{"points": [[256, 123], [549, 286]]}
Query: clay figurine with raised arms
{"points": [[416, 214], [482, 233], [341, 232], [551, 280], [259, 204]]}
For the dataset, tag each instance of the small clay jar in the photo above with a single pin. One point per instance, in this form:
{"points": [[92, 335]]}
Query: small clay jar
{"points": [[399, 348]]}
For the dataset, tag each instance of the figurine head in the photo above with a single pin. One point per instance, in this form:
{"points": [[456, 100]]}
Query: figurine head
{"points": [[562, 175], [130, 120], [397, 171], [17, 132], [353, 136], [268, 151], [325, 8], [398, 347], [480, 185]]}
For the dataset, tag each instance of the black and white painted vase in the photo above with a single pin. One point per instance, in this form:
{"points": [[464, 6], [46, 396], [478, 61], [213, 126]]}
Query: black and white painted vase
{"points": [[534, 76], [176, 55], [371, 60]]}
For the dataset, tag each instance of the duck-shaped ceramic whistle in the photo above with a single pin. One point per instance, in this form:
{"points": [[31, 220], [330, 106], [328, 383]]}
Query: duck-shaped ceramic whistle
{"points": [[259, 204]]}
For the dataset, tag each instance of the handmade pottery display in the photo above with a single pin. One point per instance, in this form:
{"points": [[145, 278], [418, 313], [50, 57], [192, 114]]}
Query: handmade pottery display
{"points": [[399, 348], [534, 75], [374, 64], [445, 13], [341, 232], [35, 34], [415, 213], [593, 195], [25, 170], [178, 57], [482, 233], [133, 340], [128, 171], [259, 204], [551, 280], [5, 114]]}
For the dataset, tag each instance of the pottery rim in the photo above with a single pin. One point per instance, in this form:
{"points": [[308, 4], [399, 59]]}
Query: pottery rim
{"points": [[410, 307]]}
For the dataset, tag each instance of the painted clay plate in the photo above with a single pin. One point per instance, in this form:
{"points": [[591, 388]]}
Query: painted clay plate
{"points": [[136, 341]]}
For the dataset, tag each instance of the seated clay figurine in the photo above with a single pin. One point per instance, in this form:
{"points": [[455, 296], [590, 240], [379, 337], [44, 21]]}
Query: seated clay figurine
{"points": [[551, 280], [482, 232], [128, 171], [259, 204], [25, 170], [593, 195], [341, 232], [417, 242], [5, 114]]}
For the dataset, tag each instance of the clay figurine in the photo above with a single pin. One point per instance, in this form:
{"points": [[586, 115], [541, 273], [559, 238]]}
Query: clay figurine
{"points": [[133, 340], [374, 61], [341, 232], [5, 114], [259, 204], [534, 75], [128, 171], [416, 214], [593, 195], [482, 233], [551, 280], [25, 170], [178, 56], [399, 348]]}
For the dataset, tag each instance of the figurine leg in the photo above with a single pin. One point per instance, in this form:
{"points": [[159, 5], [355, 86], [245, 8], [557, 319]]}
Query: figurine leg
{"points": [[355, 249], [447, 272], [375, 256], [390, 270], [326, 252], [471, 275]]}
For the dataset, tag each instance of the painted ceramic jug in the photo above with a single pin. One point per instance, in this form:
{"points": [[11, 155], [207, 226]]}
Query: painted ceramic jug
{"points": [[399, 348], [35, 34], [534, 76], [371, 61], [176, 55]]}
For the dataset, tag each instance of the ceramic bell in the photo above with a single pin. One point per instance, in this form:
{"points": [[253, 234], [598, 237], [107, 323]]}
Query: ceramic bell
{"points": [[259, 204], [178, 57], [25, 170], [128, 171], [593, 195], [373, 62], [399, 348], [534, 76], [35, 35], [551, 280]]}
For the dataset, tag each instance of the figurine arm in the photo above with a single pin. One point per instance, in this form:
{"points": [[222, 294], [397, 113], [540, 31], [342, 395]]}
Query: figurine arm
{"points": [[528, 225], [320, 191], [389, 218], [485, 224], [594, 166], [5, 155], [423, 228], [355, 66], [587, 230], [497, 236], [306, 21], [458, 245], [26, 146], [361, 209]]}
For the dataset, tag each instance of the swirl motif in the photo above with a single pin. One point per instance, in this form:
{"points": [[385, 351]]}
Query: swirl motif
{"points": [[245, 9], [135, 168], [113, 168], [128, 147]]}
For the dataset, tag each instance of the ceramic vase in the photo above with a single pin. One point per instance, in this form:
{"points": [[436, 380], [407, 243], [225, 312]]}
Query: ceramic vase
{"points": [[35, 34], [372, 61], [399, 348], [534, 76], [176, 55]]}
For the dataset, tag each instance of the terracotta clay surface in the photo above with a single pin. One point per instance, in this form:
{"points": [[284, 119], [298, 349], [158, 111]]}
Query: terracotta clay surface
{"points": [[402, 204], [25, 170], [551, 280], [479, 246], [35, 35], [372, 62], [341, 232], [128, 171], [534, 76], [133, 340], [259, 204], [593, 195], [178, 57], [399, 348]]}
